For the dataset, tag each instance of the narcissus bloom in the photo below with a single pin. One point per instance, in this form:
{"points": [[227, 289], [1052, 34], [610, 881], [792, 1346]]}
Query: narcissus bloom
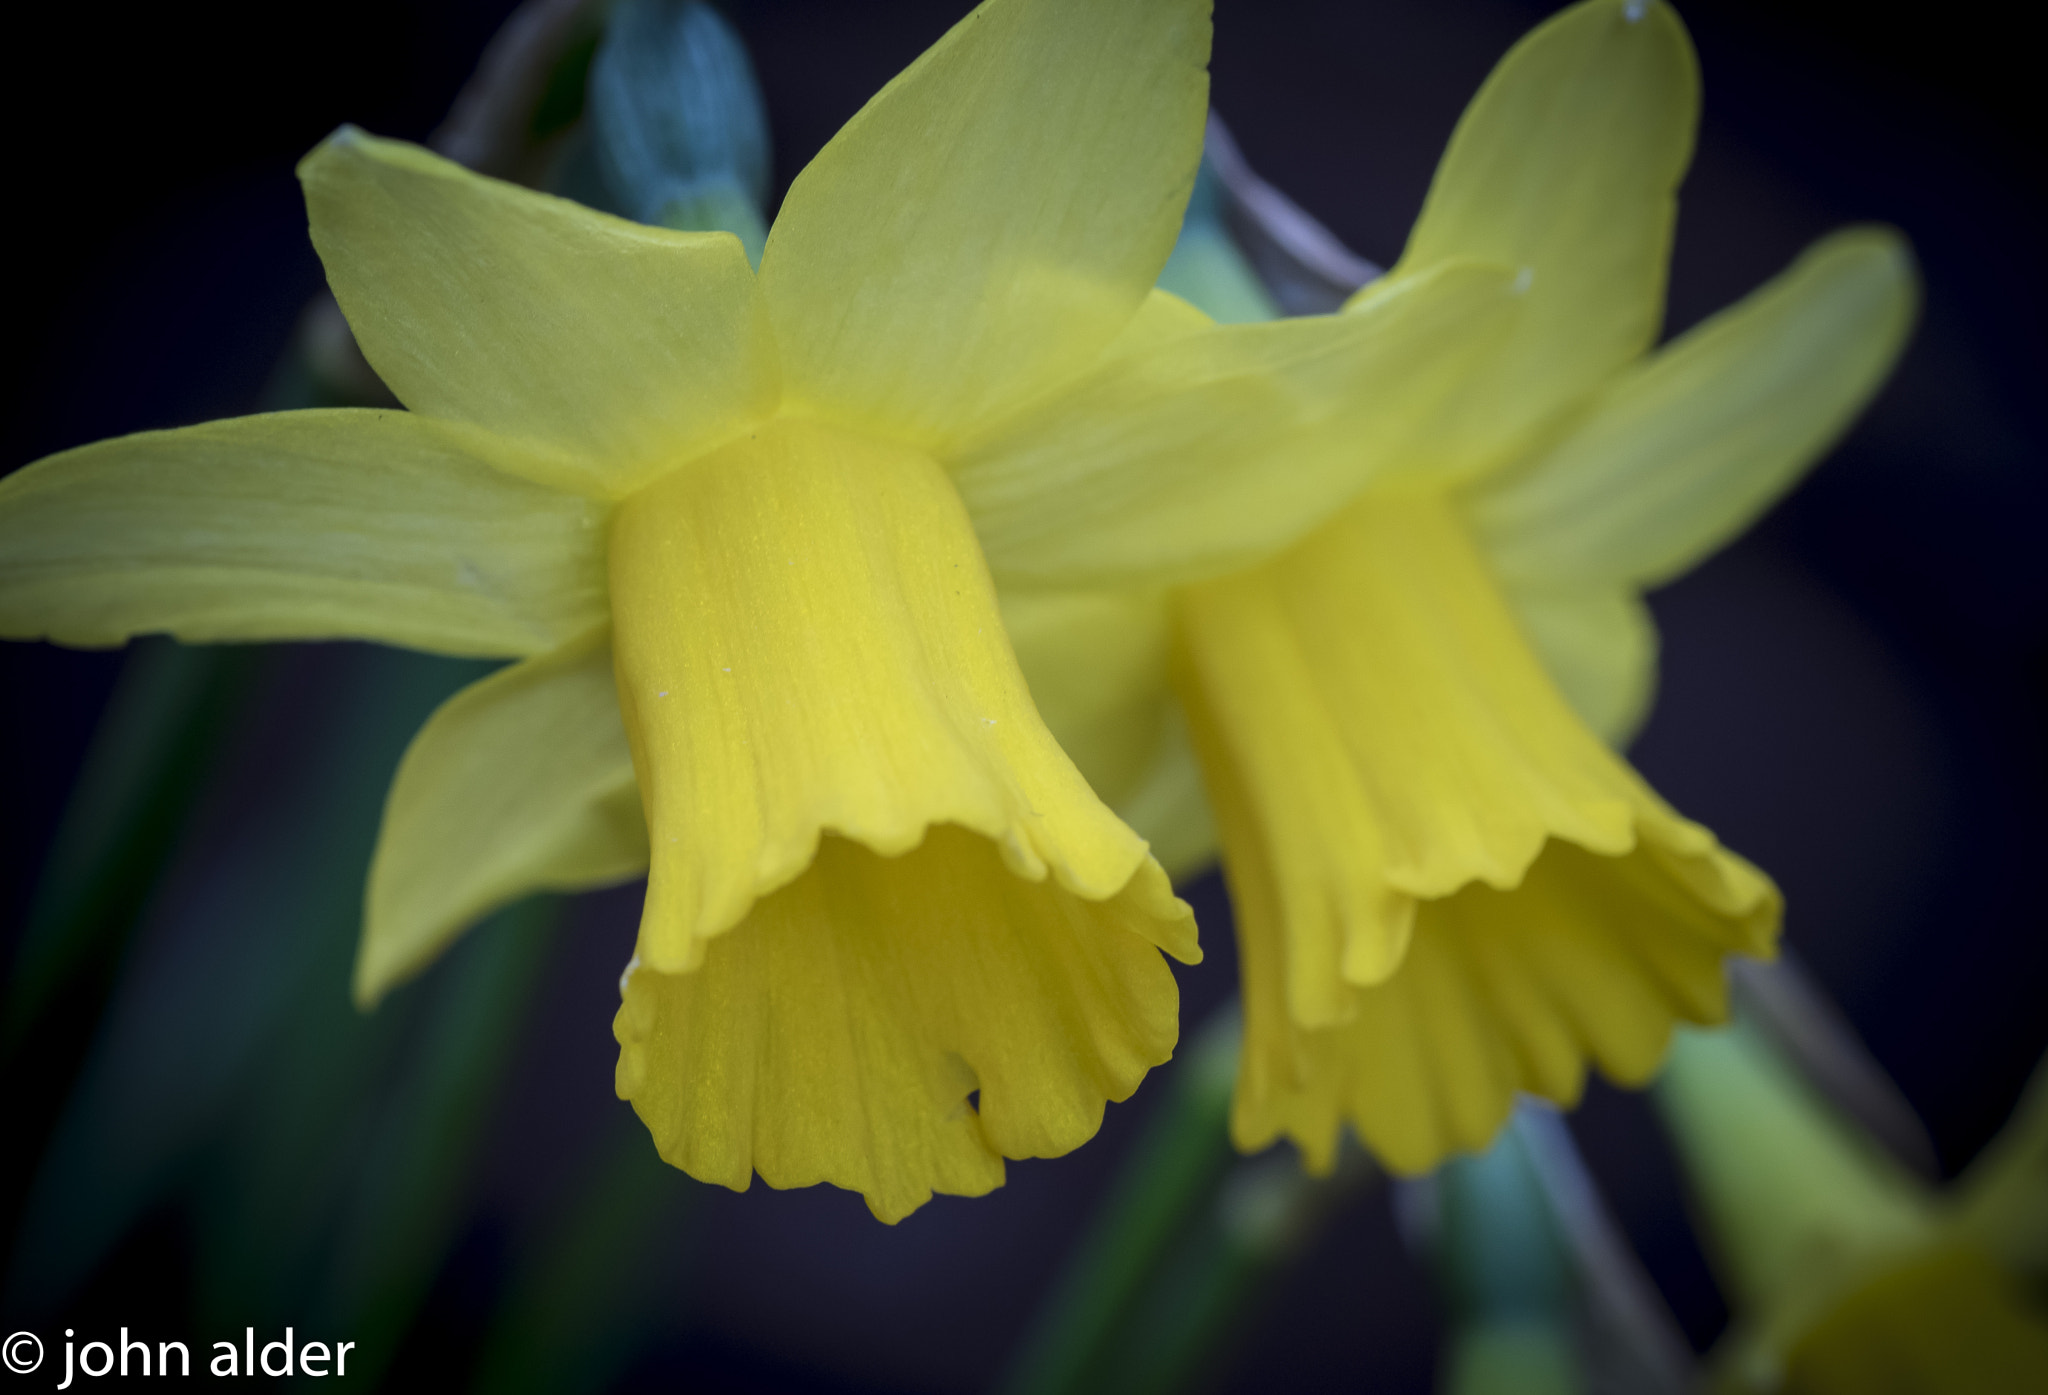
{"points": [[726, 526], [1448, 887], [1847, 1273]]}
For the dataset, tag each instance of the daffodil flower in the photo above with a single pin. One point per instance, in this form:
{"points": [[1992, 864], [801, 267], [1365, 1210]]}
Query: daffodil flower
{"points": [[1845, 1271], [1449, 888], [724, 524]]}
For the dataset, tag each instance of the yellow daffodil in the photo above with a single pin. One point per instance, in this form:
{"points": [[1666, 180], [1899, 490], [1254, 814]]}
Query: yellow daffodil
{"points": [[726, 525], [1846, 1273], [1448, 887]]}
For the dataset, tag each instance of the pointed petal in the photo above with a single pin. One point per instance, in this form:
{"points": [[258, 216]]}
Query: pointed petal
{"points": [[520, 783], [808, 642], [1567, 163], [1683, 452], [1220, 447], [626, 349], [299, 525], [837, 1034], [992, 217], [1599, 646]]}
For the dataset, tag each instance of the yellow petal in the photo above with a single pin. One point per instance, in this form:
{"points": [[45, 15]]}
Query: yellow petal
{"points": [[520, 783], [1948, 1321], [1387, 758], [807, 642], [1599, 646], [1590, 959], [1162, 318], [1683, 452], [992, 217], [1169, 809], [300, 525], [1394, 735], [1567, 164], [837, 1035], [1215, 448], [1096, 665], [627, 349]]}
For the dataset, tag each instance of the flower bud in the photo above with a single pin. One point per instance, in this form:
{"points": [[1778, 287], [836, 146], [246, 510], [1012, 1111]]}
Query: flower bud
{"points": [[678, 131]]}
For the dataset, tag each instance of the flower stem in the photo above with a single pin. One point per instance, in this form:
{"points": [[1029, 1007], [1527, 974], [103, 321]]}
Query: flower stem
{"points": [[1161, 1281]]}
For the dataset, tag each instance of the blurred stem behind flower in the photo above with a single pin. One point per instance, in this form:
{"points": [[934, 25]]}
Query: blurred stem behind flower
{"points": [[1539, 1284], [1182, 1249], [1448, 888], [150, 750], [316, 1182], [149, 759], [585, 1291], [1845, 1272], [1301, 264], [1506, 1276]]}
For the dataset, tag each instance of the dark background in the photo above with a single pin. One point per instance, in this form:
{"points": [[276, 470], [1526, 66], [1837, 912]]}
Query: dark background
{"points": [[1852, 696]]}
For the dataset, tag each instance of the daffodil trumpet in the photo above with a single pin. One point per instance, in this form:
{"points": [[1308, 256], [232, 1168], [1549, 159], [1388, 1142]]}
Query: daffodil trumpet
{"points": [[731, 528]]}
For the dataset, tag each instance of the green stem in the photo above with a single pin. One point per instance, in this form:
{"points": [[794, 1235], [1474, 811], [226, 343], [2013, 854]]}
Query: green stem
{"points": [[1781, 1177], [1161, 1281], [1507, 1276], [148, 760], [582, 1298], [408, 1202], [1173, 1168], [153, 748]]}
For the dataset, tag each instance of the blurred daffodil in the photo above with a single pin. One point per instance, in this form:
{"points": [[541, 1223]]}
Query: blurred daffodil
{"points": [[726, 525], [1448, 887], [1846, 1273]]}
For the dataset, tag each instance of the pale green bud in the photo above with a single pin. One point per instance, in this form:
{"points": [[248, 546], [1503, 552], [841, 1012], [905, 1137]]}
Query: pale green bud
{"points": [[677, 126]]}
